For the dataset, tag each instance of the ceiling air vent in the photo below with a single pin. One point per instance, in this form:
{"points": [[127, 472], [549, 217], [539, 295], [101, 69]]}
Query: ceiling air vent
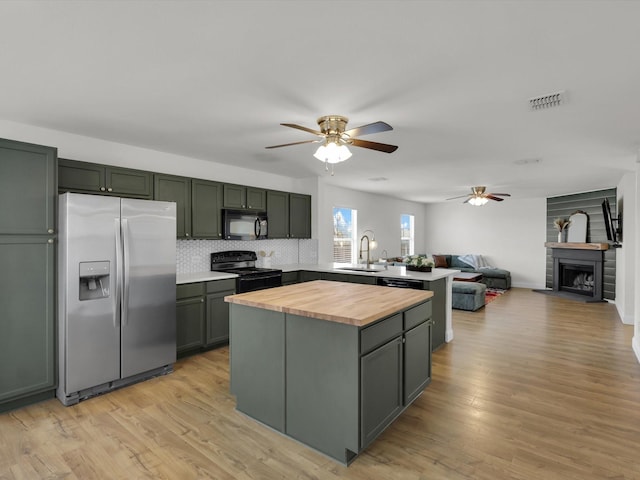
{"points": [[547, 101]]}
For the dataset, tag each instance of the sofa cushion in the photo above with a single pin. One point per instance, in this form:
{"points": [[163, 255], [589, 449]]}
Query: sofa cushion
{"points": [[456, 263], [442, 261]]}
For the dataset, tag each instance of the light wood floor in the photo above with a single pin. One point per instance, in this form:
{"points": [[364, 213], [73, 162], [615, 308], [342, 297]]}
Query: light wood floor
{"points": [[532, 387]]}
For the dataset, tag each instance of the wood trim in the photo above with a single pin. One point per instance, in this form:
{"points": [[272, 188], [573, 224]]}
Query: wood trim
{"points": [[578, 246]]}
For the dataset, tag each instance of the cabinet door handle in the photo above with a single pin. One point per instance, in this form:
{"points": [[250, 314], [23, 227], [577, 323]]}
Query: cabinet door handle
{"points": [[186, 234], [202, 300], [50, 240], [102, 189], [109, 189], [50, 230]]}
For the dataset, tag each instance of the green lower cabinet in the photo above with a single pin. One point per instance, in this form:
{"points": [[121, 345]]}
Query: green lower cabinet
{"points": [[439, 317], [381, 387], [308, 276], [190, 314], [289, 278], [190, 324], [217, 319], [27, 345], [202, 315], [329, 385]]}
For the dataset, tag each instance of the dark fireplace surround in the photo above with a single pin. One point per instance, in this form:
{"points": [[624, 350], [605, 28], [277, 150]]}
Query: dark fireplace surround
{"points": [[578, 273]]}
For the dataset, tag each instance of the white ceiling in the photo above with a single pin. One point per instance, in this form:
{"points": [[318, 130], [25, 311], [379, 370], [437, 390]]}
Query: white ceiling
{"points": [[214, 79]]}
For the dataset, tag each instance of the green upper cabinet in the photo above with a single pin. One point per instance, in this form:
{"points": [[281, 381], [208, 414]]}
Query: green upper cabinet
{"points": [[27, 174], [278, 213], [289, 215], [82, 177], [299, 216], [170, 188], [206, 202], [238, 196]]}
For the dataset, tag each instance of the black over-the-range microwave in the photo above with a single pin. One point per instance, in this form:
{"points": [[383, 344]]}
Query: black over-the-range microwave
{"points": [[244, 224]]}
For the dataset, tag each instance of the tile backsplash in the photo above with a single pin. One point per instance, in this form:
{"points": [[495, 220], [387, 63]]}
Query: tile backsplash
{"points": [[194, 255]]}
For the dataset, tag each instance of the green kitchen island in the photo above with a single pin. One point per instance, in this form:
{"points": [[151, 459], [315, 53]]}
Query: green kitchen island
{"points": [[327, 363]]}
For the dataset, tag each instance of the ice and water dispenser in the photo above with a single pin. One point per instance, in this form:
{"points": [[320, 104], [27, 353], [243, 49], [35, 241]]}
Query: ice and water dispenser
{"points": [[94, 280]]}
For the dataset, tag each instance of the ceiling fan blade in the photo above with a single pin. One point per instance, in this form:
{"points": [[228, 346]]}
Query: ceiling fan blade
{"points": [[294, 143], [467, 200], [368, 129], [461, 196], [381, 147], [304, 129], [500, 194], [491, 197]]}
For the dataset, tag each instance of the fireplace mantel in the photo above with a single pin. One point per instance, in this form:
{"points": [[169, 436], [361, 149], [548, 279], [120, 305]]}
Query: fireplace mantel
{"points": [[577, 245]]}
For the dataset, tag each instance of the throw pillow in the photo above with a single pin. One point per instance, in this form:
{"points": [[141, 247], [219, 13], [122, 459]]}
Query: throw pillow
{"points": [[441, 261]]}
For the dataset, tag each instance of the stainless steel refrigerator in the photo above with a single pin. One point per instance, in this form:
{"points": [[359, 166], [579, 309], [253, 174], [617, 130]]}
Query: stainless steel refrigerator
{"points": [[117, 293]]}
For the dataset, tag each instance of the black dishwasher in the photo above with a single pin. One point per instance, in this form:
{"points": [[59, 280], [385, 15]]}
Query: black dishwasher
{"points": [[400, 283]]}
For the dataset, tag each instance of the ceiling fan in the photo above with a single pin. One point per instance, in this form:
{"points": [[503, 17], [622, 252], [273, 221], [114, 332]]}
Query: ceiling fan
{"points": [[479, 196], [334, 138]]}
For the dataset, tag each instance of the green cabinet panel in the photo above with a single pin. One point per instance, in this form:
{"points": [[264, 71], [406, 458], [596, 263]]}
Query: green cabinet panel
{"points": [[439, 315], [289, 278], [129, 183], [299, 215], [381, 386], [83, 177], [417, 361], [256, 198], [206, 202], [289, 215], [234, 196], [278, 213], [27, 188], [27, 273], [308, 276], [27, 290], [217, 330], [170, 188], [189, 323], [239, 196]]}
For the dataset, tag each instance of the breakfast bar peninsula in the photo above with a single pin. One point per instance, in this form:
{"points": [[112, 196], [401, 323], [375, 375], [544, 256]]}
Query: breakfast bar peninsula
{"points": [[329, 364]]}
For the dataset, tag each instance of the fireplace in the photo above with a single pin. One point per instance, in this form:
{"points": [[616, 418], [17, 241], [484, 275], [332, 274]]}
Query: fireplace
{"points": [[578, 273]]}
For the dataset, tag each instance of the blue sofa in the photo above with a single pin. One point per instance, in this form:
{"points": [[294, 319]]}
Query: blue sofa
{"points": [[491, 277]]}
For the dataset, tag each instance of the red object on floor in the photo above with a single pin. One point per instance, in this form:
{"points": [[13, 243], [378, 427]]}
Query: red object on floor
{"points": [[492, 294]]}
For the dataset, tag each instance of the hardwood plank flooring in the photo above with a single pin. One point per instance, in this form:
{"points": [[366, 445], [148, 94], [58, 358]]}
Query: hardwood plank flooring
{"points": [[532, 387]]}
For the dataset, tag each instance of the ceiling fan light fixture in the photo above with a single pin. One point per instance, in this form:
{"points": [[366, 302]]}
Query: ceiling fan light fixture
{"points": [[331, 152], [478, 201]]}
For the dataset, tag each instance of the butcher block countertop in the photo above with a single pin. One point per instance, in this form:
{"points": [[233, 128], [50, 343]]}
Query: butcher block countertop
{"points": [[349, 303]]}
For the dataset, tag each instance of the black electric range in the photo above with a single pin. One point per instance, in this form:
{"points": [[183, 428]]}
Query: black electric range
{"points": [[243, 264]]}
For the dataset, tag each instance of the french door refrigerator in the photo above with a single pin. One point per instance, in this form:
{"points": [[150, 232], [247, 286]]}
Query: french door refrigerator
{"points": [[117, 293]]}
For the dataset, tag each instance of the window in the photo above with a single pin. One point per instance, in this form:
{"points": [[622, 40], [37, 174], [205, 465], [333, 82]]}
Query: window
{"points": [[345, 226], [407, 228]]}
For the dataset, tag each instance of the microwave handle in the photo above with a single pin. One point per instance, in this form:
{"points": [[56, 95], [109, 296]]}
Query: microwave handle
{"points": [[257, 227]]}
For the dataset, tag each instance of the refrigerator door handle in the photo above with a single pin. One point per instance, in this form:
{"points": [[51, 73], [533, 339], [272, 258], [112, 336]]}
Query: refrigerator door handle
{"points": [[125, 273], [118, 274]]}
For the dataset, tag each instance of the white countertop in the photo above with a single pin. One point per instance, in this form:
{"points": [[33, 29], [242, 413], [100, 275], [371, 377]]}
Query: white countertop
{"points": [[389, 271], [202, 277]]}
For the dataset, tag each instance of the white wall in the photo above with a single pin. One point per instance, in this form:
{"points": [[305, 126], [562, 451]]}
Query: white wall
{"points": [[636, 289], [375, 212], [626, 255], [77, 147], [510, 234]]}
